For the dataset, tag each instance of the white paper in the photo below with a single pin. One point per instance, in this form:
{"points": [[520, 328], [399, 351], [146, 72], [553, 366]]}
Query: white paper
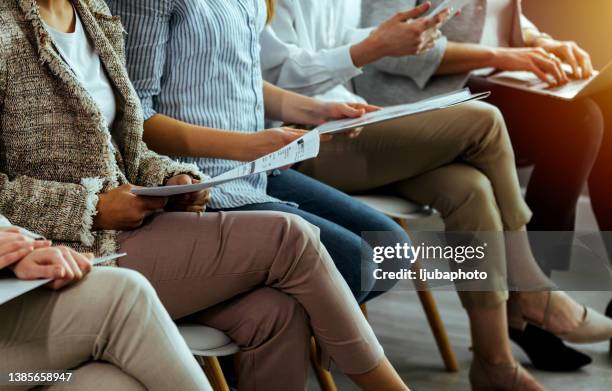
{"points": [[393, 112], [305, 147], [11, 288]]}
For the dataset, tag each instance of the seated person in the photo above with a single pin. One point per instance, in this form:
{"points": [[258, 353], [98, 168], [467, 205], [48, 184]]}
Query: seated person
{"points": [[71, 134], [110, 338], [559, 139], [460, 160], [209, 110]]}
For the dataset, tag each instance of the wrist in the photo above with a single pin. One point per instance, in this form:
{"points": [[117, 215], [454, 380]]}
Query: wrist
{"points": [[497, 58], [367, 51]]}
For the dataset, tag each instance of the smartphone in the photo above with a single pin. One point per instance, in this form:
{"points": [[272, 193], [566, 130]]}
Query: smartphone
{"points": [[454, 5]]}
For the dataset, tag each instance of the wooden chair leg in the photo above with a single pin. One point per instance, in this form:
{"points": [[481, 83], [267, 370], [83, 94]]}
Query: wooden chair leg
{"points": [[364, 310], [213, 372], [439, 331], [435, 321], [324, 377]]}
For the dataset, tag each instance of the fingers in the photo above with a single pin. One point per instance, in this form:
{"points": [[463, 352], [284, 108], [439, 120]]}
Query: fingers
{"points": [[413, 13], [152, 203], [566, 54], [551, 66], [366, 107], [13, 251], [83, 261], [436, 21], [351, 112], [177, 180], [584, 62]]}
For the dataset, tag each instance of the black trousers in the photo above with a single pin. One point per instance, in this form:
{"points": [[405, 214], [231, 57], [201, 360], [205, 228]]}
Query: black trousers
{"points": [[569, 144]]}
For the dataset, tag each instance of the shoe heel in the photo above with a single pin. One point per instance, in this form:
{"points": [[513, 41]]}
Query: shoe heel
{"points": [[609, 315]]}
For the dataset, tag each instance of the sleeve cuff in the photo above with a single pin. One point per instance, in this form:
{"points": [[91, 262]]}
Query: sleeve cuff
{"points": [[340, 62], [147, 108], [92, 186]]}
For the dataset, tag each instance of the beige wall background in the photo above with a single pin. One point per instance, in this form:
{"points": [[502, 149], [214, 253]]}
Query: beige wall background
{"points": [[588, 22]]}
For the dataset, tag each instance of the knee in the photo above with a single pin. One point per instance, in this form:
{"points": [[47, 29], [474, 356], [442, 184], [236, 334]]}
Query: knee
{"points": [[298, 229], [475, 202], [486, 118], [278, 316], [589, 118], [129, 289]]}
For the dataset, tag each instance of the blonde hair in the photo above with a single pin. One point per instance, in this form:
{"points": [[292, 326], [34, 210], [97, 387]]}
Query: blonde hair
{"points": [[271, 4]]}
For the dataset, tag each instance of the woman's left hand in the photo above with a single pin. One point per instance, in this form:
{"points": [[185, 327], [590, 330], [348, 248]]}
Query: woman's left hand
{"points": [[334, 111], [192, 202], [570, 53]]}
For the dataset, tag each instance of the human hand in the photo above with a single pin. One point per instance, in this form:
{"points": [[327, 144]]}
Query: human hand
{"points": [[570, 53], [191, 202], [61, 264], [270, 140], [403, 34], [544, 65], [120, 209], [14, 246], [330, 111]]}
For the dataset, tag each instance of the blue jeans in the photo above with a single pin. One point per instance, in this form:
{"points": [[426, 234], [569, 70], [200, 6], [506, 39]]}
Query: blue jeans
{"points": [[341, 220]]}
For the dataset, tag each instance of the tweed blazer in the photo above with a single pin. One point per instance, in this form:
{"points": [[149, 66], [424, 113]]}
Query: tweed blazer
{"points": [[56, 154], [400, 80]]}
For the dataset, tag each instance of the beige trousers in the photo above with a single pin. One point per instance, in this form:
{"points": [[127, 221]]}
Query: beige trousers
{"points": [[459, 161], [265, 279], [110, 328]]}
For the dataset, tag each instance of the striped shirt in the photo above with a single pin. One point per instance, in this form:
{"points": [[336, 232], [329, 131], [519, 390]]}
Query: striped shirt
{"points": [[198, 61]]}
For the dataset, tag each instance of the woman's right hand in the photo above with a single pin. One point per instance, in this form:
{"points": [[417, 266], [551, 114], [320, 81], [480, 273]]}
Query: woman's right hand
{"points": [[14, 246], [270, 140], [61, 264], [121, 210], [546, 67]]}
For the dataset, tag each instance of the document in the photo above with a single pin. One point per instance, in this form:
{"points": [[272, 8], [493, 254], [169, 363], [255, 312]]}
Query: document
{"points": [[393, 112], [11, 288], [575, 89], [304, 148]]}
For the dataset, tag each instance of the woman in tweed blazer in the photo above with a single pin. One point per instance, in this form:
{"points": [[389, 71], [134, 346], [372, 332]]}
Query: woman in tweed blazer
{"points": [[66, 171]]}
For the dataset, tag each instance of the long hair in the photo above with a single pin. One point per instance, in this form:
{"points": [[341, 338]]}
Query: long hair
{"points": [[271, 4]]}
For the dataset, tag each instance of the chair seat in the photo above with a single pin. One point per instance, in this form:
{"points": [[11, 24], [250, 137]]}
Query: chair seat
{"points": [[206, 341], [394, 206]]}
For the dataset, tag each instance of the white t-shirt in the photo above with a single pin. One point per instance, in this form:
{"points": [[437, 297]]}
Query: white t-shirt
{"points": [[498, 23], [78, 52]]}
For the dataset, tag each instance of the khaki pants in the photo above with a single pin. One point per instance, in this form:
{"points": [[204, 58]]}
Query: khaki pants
{"points": [[110, 328], [265, 279], [459, 161]]}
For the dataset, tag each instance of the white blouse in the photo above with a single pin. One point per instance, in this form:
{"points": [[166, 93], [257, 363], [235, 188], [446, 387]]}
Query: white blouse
{"points": [[78, 52], [498, 23]]}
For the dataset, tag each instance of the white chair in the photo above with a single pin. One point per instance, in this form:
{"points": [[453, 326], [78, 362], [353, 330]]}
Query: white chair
{"points": [[207, 344], [402, 211]]}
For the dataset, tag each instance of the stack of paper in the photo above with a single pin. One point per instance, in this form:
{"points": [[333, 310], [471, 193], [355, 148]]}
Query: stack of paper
{"points": [[11, 288], [305, 147], [394, 112]]}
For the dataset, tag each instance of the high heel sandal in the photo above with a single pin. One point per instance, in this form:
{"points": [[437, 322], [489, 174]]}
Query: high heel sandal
{"points": [[609, 315], [485, 376], [593, 327]]}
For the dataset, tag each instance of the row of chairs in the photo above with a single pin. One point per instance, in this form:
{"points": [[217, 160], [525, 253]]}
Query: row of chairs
{"points": [[208, 344]]}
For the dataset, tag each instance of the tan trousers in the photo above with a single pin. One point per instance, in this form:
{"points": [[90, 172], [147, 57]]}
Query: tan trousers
{"points": [[265, 279], [459, 161], [110, 328]]}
